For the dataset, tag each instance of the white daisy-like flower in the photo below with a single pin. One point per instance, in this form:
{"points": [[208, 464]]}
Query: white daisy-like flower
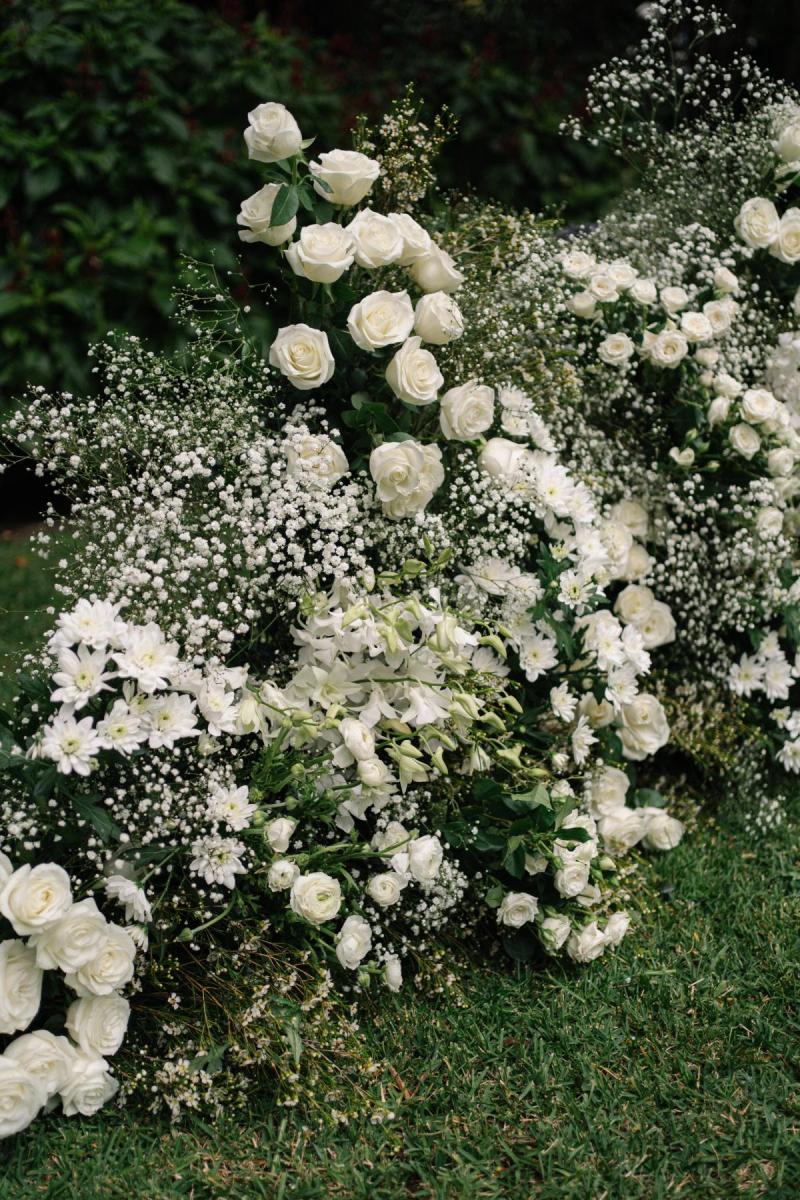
{"points": [[129, 895], [81, 674], [232, 806], [218, 860], [71, 744], [170, 718]]}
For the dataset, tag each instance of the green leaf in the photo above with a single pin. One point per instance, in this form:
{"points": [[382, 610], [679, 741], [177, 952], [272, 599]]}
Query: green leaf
{"points": [[285, 205], [521, 945], [42, 182], [98, 818], [648, 798]]}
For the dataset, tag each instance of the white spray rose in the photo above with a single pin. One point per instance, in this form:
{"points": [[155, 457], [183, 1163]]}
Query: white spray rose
{"points": [[282, 874], [584, 305], [110, 969], [381, 319], [255, 215], [278, 833], [786, 246], [406, 475], [501, 458], [98, 1024], [726, 385], [638, 563], [674, 298], [632, 515], [303, 355], [377, 241], [353, 942], [44, 1056], [696, 326], [393, 973], [436, 271], [622, 828], [413, 374], [668, 348], [22, 1097], [769, 522], [20, 986], [607, 790], [6, 869], [718, 410], [554, 932], [373, 773], [385, 889], [416, 240], [516, 909], [758, 223], [725, 281], [466, 411], [577, 264], [603, 287], [587, 944], [573, 874], [272, 133], [634, 604], [615, 349], [720, 314], [617, 926], [88, 1087], [661, 831], [757, 405], [348, 174], [644, 727], [644, 291], [744, 440], [316, 897], [322, 253], [780, 462], [73, 941], [35, 897], [425, 858], [438, 319], [658, 627]]}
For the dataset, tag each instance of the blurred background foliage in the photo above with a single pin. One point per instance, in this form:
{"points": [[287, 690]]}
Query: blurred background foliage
{"points": [[121, 124]]}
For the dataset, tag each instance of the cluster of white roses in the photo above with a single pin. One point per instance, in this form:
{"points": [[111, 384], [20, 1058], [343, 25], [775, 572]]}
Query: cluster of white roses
{"points": [[770, 673], [96, 959], [759, 224]]}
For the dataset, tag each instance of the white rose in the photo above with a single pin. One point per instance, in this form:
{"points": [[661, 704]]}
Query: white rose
{"points": [[684, 458], [303, 355], [697, 326], [425, 858], [658, 627], [393, 973], [668, 348], [316, 897], [758, 222], [780, 461], [587, 944], [638, 563], [501, 458], [787, 145], [6, 869], [634, 604], [674, 298], [278, 833], [88, 1087], [577, 264], [744, 440], [110, 969], [353, 942], [644, 727], [377, 241], [598, 713], [357, 737], [406, 475], [98, 1023], [661, 831], [373, 773], [22, 1097], [757, 405], [255, 215], [20, 986], [314, 458], [436, 271], [769, 522], [718, 410], [516, 909], [725, 281], [707, 356], [584, 305], [720, 314], [322, 253], [553, 932], [603, 287], [466, 411], [385, 889], [623, 274], [573, 874], [381, 319], [622, 828], [644, 291], [272, 133], [35, 897], [73, 941], [437, 319], [413, 374], [44, 1056], [616, 349], [416, 240], [632, 515], [282, 875], [786, 246], [607, 790], [617, 926], [726, 385], [348, 174]]}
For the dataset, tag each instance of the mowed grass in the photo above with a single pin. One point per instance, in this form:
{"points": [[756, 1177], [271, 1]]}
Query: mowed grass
{"points": [[667, 1069]]}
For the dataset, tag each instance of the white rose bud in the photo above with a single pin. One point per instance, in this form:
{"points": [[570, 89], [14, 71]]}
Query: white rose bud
{"points": [[377, 241], [272, 133], [718, 410], [573, 874], [587, 944], [644, 727], [358, 738], [385, 889], [353, 942], [758, 223], [436, 271], [381, 319], [416, 240], [437, 319], [725, 281], [744, 440], [316, 897], [661, 831], [255, 215], [413, 374], [684, 458], [282, 875], [769, 522], [303, 355], [35, 897], [425, 858], [322, 253], [22, 1097], [98, 1024], [88, 1087], [278, 833], [348, 174], [516, 909], [726, 385], [787, 145], [501, 458], [466, 411]]}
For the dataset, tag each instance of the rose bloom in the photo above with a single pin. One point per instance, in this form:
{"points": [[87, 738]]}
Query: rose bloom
{"points": [[616, 349], [577, 264], [98, 1023], [501, 458], [607, 790], [303, 355], [696, 326], [668, 348], [35, 897], [44, 1056], [758, 223], [322, 253], [644, 291], [587, 944], [787, 145], [413, 374], [436, 271], [349, 175], [744, 440], [553, 932], [406, 475], [278, 833], [467, 411], [385, 889], [315, 458], [88, 1087], [272, 133], [316, 897], [353, 942], [517, 909], [377, 241], [381, 319], [425, 858], [282, 874], [632, 515], [786, 246], [22, 1097], [674, 298], [437, 319], [583, 304], [20, 986], [416, 240], [255, 215], [757, 405], [644, 727]]}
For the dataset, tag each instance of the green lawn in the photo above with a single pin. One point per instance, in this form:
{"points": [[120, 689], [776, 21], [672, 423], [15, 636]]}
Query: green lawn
{"points": [[666, 1069]]}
